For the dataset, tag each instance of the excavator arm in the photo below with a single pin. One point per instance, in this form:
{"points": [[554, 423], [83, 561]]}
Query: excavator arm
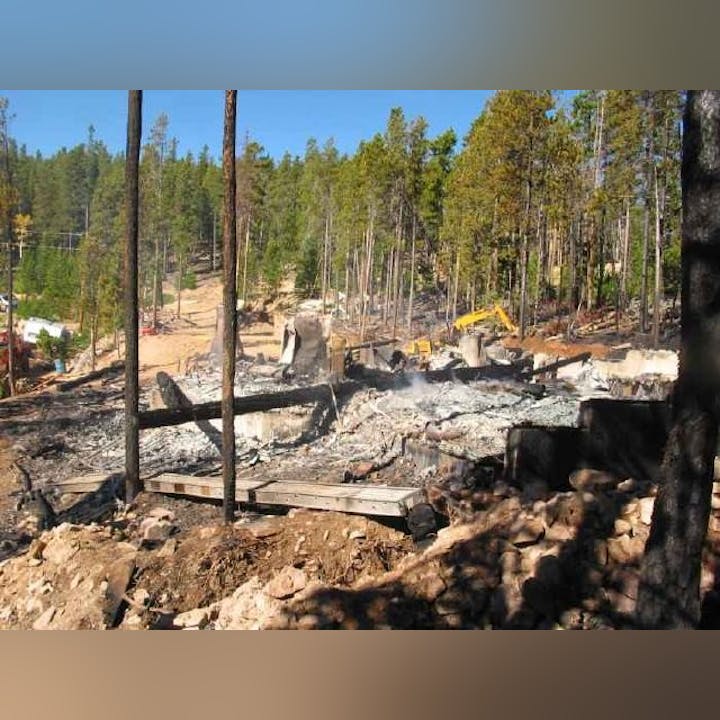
{"points": [[472, 318]]}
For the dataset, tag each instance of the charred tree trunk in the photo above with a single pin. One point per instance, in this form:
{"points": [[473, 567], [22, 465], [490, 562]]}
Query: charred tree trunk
{"points": [[523, 285], [669, 592], [411, 297], [132, 160], [657, 296], [649, 152], [229, 305], [9, 230]]}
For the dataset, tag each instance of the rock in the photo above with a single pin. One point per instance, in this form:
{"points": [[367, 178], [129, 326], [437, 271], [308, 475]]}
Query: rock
{"points": [[566, 508], [526, 532], [118, 578], [248, 608], [34, 562], [33, 605], [572, 619], [161, 513], [531, 556], [431, 587], [559, 532], [589, 480], [356, 535], [168, 549], [646, 509], [277, 622], [715, 502], [624, 549], [510, 563], [286, 583], [197, 618], [601, 552], [501, 489], [43, 622], [59, 550], [622, 526], [263, 529], [308, 622], [155, 530], [629, 510], [36, 549], [627, 485]]}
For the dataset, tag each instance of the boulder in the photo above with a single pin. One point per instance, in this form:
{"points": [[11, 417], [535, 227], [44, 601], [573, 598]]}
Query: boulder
{"points": [[153, 529], [197, 618], [588, 480], [286, 583]]}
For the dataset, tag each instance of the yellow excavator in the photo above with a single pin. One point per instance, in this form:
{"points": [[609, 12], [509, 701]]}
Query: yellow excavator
{"points": [[465, 322], [422, 347]]}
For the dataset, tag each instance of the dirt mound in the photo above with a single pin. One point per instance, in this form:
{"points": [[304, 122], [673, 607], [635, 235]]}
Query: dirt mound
{"points": [[211, 562]]}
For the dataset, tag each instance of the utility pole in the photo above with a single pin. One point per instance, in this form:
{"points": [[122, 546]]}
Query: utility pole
{"points": [[229, 307], [132, 162]]}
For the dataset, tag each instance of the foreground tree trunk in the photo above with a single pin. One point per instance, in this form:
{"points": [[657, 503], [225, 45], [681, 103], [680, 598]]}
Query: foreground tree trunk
{"points": [[229, 307], [132, 159], [669, 592]]}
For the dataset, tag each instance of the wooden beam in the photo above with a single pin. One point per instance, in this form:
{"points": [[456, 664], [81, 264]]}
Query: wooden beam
{"points": [[115, 369], [132, 383], [366, 500]]}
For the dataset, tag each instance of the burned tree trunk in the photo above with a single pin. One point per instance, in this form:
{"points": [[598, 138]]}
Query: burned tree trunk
{"points": [[132, 157], [9, 229], [229, 308], [669, 591]]}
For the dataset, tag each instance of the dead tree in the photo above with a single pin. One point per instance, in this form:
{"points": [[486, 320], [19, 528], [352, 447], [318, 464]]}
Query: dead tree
{"points": [[9, 222], [132, 158], [229, 307], [669, 592]]}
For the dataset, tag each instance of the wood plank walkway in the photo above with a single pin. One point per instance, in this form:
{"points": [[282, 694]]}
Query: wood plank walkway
{"points": [[379, 500]]}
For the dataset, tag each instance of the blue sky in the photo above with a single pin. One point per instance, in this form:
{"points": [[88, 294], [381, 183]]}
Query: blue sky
{"points": [[281, 120]]}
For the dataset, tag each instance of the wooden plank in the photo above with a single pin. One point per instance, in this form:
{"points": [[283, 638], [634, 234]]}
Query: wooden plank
{"points": [[83, 483], [375, 500]]}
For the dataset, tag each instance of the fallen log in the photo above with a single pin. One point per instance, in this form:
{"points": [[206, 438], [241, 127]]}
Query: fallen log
{"points": [[117, 368], [241, 406], [322, 393]]}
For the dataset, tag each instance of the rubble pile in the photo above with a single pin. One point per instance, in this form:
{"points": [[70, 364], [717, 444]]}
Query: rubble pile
{"points": [[569, 560]]}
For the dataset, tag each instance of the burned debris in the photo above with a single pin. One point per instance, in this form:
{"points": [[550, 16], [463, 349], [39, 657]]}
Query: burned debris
{"points": [[526, 464]]}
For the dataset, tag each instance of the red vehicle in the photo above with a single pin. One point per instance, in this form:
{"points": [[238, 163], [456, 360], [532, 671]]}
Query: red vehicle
{"points": [[20, 350]]}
